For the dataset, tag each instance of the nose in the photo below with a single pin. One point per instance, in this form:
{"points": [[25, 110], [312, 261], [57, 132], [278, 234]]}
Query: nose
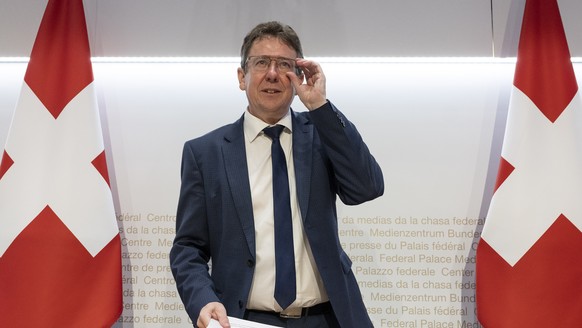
{"points": [[272, 72]]}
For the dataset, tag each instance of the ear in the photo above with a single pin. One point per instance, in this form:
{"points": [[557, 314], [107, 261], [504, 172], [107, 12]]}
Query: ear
{"points": [[241, 79]]}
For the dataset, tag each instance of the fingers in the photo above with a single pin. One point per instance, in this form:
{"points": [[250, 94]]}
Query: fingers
{"points": [[313, 73], [221, 317], [224, 321], [309, 67], [214, 310], [203, 320], [311, 93], [296, 81]]}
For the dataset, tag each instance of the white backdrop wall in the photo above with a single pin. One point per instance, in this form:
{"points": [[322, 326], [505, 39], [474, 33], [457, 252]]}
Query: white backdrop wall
{"points": [[434, 127], [327, 27]]}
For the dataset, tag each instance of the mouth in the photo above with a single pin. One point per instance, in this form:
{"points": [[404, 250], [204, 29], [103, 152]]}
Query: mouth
{"points": [[271, 91]]}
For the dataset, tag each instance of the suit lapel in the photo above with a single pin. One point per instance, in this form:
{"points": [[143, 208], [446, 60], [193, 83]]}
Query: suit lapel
{"points": [[235, 162], [302, 159]]}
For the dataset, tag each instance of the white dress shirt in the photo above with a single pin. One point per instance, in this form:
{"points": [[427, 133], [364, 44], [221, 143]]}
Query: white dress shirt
{"points": [[310, 290]]}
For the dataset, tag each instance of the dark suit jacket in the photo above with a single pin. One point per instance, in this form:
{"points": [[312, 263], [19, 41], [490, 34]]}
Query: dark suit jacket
{"points": [[215, 216]]}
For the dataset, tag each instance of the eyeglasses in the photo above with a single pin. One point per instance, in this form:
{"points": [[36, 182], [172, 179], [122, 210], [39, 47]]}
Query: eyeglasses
{"points": [[262, 63]]}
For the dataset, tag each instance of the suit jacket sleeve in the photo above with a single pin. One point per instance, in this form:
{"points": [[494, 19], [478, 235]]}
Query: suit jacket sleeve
{"points": [[357, 174], [342, 166], [190, 253]]}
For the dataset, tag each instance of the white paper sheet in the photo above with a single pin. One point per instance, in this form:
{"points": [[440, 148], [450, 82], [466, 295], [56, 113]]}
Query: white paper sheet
{"points": [[239, 323]]}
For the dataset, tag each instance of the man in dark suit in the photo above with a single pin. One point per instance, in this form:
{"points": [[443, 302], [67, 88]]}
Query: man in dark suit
{"points": [[229, 195]]}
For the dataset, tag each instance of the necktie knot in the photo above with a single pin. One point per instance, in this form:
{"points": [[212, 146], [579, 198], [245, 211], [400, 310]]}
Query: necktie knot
{"points": [[273, 131]]}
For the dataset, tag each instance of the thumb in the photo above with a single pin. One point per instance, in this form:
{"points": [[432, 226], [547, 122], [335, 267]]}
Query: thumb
{"points": [[296, 81], [224, 322]]}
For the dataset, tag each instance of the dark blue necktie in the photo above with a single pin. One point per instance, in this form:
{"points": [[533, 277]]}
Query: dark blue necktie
{"points": [[284, 256]]}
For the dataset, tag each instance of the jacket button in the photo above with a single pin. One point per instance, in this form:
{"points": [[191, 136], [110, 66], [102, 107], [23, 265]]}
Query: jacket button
{"points": [[250, 263]]}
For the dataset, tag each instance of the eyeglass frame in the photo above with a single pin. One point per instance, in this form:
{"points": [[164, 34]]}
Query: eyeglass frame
{"points": [[297, 69]]}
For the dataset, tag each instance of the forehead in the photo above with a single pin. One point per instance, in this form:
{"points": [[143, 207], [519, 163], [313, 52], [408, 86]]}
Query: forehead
{"points": [[271, 46]]}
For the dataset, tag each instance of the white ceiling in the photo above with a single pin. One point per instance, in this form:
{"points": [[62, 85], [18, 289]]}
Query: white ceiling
{"points": [[326, 27]]}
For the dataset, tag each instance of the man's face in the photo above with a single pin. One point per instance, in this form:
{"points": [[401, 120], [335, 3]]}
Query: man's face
{"points": [[269, 91]]}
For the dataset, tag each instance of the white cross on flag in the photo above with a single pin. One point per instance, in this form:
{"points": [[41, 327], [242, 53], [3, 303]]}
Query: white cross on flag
{"points": [[529, 259], [60, 252]]}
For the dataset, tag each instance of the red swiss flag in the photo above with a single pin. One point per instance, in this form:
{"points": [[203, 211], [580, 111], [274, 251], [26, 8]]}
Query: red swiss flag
{"points": [[529, 259], [60, 252]]}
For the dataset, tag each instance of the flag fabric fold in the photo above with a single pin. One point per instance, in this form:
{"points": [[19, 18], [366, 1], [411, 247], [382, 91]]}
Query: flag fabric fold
{"points": [[529, 258], [60, 250]]}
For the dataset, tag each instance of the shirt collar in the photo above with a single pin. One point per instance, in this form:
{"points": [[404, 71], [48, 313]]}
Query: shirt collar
{"points": [[253, 126]]}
